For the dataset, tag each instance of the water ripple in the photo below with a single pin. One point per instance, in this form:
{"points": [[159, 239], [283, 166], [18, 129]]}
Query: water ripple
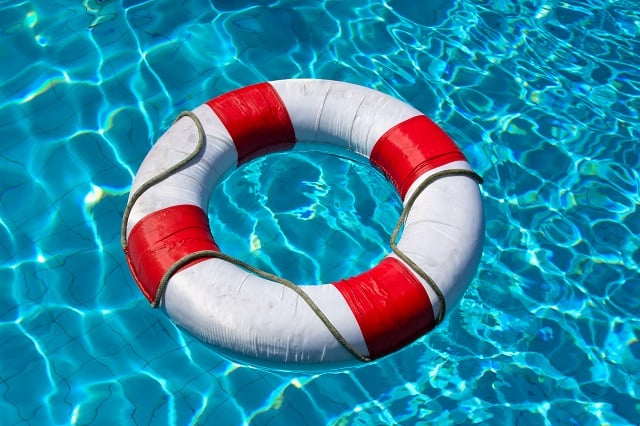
{"points": [[543, 97]]}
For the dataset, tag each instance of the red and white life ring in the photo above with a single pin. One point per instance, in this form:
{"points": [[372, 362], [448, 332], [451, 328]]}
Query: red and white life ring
{"points": [[230, 307]]}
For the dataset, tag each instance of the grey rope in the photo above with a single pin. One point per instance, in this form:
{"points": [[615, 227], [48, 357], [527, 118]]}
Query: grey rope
{"points": [[164, 281], [403, 217], [297, 289], [162, 175]]}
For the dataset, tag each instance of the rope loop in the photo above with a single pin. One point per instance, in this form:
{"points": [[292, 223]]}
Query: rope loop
{"points": [[292, 286], [393, 241], [162, 175]]}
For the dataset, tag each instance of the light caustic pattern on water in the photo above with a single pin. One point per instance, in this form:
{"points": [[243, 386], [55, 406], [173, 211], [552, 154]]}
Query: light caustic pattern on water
{"points": [[312, 215], [542, 96]]}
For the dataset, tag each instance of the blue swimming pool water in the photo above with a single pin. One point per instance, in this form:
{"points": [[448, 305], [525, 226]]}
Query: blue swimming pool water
{"points": [[542, 96], [313, 215]]}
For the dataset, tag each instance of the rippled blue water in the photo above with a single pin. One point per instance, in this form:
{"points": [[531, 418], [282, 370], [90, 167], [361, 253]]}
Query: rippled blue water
{"points": [[313, 215], [542, 96]]}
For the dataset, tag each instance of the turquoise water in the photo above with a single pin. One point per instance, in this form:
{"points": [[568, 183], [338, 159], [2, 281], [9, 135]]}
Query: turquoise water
{"points": [[313, 215], [542, 96]]}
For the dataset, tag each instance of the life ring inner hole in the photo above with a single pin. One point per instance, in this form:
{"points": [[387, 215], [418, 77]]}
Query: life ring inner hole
{"points": [[314, 214]]}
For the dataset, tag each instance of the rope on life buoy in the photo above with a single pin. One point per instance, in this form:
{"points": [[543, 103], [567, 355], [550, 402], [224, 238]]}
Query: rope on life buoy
{"points": [[297, 289]]}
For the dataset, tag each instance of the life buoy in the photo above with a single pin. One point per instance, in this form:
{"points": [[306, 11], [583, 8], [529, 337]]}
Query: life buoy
{"points": [[176, 263]]}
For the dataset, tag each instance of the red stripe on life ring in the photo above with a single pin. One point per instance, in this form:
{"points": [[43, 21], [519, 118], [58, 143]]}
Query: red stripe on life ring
{"points": [[162, 238], [411, 148], [390, 304], [256, 118]]}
